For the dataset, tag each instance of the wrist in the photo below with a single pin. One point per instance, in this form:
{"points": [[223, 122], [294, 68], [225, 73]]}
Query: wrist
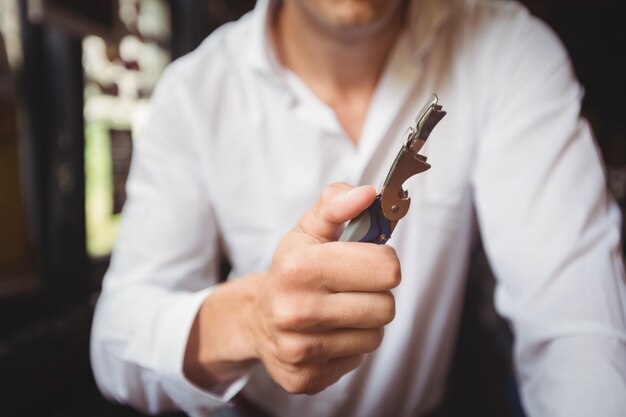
{"points": [[233, 311], [220, 347]]}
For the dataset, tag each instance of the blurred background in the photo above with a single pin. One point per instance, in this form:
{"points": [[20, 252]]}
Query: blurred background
{"points": [[75, 80]]}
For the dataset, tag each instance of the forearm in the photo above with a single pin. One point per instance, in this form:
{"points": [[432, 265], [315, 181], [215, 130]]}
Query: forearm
{"points": [[576, 376], [138, 340]]}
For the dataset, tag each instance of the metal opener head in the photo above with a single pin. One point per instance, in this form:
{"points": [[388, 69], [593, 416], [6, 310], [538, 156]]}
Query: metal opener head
{"points": [[394, 199]]}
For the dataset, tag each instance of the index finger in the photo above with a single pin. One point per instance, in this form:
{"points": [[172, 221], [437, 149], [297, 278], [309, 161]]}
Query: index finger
{"points": [[353, 266]]}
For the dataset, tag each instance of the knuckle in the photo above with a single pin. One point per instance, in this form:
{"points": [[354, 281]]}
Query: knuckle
{"points": [[295, 350], [387, 307], [286, 315], [372, 340], [356, 361], [327, 194], [392, 267], [298, 267], [396, 273], [300, 382], [290, 268], [293, 313], [283, 320], [377, 337], [331, 190]]}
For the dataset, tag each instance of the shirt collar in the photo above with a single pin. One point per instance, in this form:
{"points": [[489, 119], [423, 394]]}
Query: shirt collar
{"points": [[259, 51], [426, 18]]}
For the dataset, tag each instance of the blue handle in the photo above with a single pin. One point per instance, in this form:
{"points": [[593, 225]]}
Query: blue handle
{"points": [[369, 226]]}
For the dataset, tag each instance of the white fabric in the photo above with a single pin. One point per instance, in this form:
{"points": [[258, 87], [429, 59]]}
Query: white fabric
{"points": [[237, 149]]}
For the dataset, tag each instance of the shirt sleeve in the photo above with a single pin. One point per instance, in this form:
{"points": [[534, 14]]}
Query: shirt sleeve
{"points": [[550, 229], [162, 269]]}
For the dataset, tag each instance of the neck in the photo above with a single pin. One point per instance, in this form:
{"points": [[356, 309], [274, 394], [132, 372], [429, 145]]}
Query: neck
{"points": [[342, 67], [343, 60]]}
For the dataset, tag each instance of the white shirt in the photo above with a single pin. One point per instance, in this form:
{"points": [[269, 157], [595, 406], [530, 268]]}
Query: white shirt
{"points": [[237, 148]]}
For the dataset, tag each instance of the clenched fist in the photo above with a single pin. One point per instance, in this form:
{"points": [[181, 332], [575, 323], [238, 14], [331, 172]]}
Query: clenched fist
{"points": [[311, 317]]}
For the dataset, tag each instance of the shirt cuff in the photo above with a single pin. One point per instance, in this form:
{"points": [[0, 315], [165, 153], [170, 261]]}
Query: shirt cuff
{"points": [[170, 349]]}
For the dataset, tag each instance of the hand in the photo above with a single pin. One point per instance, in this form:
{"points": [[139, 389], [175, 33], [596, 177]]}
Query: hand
{"points": [[310, 318], [323, 304]]}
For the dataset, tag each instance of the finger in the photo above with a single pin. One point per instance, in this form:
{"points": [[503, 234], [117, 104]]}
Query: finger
{"points": [[314, 377], [355, 310], [351, 266], [336, 267], [338, 367], [300, 349], [338, 203], [333, 371], [342, 343]]}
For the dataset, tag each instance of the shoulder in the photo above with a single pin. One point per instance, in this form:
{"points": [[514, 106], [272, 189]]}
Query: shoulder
{"points": [[213, 79], [494, 13], [501, 49], [494, 37], [506, 26], [213, 64]]}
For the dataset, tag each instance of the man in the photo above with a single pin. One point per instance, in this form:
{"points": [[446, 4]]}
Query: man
{"points": [[251, 128]]}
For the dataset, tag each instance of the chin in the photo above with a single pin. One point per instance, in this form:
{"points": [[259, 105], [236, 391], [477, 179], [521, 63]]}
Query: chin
{"points": [[350, 15]]}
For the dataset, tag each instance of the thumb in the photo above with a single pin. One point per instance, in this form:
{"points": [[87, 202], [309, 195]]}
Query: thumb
{"points": [[338, 203]]}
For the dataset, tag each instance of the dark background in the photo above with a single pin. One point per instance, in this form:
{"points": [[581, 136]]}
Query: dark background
{"points": [[44, 334]]}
